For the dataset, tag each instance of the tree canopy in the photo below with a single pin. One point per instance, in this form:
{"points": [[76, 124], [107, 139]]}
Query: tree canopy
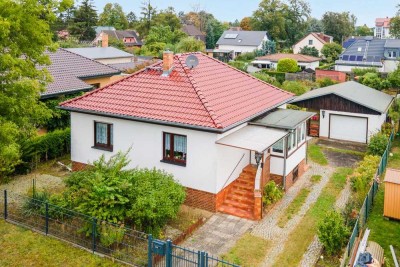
{"points": [[331, 51], [309, 51], [24, 38], [113, 15], [339, 25], [85, 18]]}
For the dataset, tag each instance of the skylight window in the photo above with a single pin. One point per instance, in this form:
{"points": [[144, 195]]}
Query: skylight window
{"points": [[231, 36], [359, 49]]}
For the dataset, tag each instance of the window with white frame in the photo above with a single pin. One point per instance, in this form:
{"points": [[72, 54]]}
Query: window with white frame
{"points": [[301, 133], [278, 146], [310, 42], [103, 134], [392, 54], [292, 142]]}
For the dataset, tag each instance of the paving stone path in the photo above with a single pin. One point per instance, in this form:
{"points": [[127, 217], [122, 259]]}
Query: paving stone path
{"points": [[310, 258], [218, 234], [268, 227]]}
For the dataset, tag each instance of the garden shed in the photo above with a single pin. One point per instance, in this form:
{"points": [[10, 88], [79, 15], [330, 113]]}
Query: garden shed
{"points": [[392, 194]]}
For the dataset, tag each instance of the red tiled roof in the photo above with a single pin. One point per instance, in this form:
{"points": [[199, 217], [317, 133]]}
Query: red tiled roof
{"points": [[382, 22], [297, 57], [212, 95]]}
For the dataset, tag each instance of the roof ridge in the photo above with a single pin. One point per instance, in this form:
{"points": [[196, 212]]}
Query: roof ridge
{"points": [[199, 93], [65, 49]]}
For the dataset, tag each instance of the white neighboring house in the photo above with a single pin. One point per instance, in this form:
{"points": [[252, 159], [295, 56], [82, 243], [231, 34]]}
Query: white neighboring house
{"points": [[382, 28], [241, 41], [347, 111], [271, 61], [313, 39], [105, 55], [217, 130]]}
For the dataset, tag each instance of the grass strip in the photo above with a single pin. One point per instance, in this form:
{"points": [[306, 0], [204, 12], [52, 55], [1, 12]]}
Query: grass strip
{"points": [[315, 154], [23, 247], [249, 250], [303, 234], [345, 151], [294, 207], [316, 178]]}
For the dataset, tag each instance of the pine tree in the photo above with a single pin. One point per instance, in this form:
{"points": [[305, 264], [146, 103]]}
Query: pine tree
{"points": [[84, 21]]}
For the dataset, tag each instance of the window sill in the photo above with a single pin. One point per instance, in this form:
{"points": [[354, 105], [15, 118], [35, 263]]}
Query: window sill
{"points": [[173, 162], [110, 149]]}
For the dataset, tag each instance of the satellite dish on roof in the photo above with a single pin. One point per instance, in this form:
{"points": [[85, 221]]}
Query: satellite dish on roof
{"points": [[192, 61]]}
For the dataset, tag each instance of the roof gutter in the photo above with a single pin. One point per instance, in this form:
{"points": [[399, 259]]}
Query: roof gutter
{"points": [[70, 92], [100, 75], [174, 124]]}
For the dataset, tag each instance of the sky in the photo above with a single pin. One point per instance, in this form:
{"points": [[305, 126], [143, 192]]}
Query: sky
{"points": [[228, 10]]}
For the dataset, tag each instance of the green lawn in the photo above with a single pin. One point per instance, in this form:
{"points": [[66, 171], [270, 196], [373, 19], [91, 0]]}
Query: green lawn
{"points": [[316, 178], [301, 237], [394, 160], [315, 153], [22, 247], [383, 231], [294, 207], [248, 251]]}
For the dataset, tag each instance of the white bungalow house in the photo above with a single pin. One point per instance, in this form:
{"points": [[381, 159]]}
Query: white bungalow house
{"points": [[271, 61], [346, 111], [313, 39], [219, 131]]}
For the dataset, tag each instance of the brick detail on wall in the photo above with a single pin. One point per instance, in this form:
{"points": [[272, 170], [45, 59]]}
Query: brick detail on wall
{"points": [[278, 179], [221, 196], [78, 166], [200, 199]]}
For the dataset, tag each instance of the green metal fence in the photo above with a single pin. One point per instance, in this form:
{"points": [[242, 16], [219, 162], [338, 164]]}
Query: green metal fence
{"points": [[369, 200], [124, 244]]}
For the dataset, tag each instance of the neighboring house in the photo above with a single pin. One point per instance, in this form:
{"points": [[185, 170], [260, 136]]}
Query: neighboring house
{"points": [[105, 55], [313, 39], [138, 62], [216, 129], [128, 37], [349, 41], [194, 32], [241, 41], [73, 73], [347, 111], [382, 28], [368, 52], [271, 61]]}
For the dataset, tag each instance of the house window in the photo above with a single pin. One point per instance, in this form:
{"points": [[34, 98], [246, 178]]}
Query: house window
{"points": [[301, 133], [310, 42], [292, 141], [392, 54], [103, 135], [175, 148], [278, 146]]}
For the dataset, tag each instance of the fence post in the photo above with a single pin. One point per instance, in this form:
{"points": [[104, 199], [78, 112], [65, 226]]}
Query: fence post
{"points": [[47, 218], [5, 205], [94, 225], [149, 251], [168, 254], [366, 209], [33, 188]]}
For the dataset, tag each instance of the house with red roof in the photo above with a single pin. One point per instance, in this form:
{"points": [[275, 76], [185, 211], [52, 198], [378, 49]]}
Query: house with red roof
{"points": [[219, 131], [313, 39]]}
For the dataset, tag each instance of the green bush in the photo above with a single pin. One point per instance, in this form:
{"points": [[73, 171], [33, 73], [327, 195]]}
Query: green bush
{"points": [[279, 76], [331, 51], [387, 129], [272, 193], [49, 146], [372, 80], [332, 232], [246, 56], [363, 175], [240, 65], [324, 82], [326, 66], [266, 78], [143, 198], [363, 71], [377, 144], [295, 87], [309, 51], [287, 65]]}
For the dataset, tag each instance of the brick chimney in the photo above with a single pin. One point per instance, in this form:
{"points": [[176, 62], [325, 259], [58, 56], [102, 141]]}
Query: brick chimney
{"points": [[168, 62], [104, 40]]}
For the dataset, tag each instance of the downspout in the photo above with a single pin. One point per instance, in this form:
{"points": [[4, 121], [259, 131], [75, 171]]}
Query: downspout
{"points": [[284, 162]]}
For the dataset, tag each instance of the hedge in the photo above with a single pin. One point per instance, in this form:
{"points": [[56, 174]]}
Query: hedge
{"points": [[49, 146], [279, 76]]}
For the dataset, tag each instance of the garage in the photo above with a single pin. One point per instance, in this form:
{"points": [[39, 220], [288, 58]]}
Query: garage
{"points": [[348, 128]]}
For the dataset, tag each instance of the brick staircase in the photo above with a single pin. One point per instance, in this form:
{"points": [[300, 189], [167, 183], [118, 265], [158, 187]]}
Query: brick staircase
{"points": [[239, 199]]}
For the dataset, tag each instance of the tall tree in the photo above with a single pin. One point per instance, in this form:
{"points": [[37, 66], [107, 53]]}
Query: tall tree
{"points": [[113, 15], [24, 37], [84, 20], [148, 12], [270, 17], [245, 24], [339, 25], [364, 31], [297, 14], [395, 27], [132, 19], [167, 17], [214, 31], [314, 25]]}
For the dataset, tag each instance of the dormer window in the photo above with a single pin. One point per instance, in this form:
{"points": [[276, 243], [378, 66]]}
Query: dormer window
{"points": [[392, 54]]}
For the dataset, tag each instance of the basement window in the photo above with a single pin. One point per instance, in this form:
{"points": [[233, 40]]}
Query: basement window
{"points": [[174, 149]]}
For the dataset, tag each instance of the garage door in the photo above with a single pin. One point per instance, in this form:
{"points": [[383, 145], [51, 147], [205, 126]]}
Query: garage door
{"points": [[348, 128]]}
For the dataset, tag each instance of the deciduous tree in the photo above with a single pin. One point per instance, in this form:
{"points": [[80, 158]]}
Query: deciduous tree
{"points": [[245, 24], [331, 51], [189, 44], [309, 51], [339, 25], [364, 31], [113, 15], [395, 27]]}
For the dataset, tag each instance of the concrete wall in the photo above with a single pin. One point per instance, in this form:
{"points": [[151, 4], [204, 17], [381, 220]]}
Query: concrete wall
{"points": [[390, 65], [374, 122], [316, 43], [115, 60]]}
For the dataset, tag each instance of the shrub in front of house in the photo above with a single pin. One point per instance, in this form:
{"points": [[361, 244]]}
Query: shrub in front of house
{"points": [[287, 65], [295, 87], [362, 177], [142, 199], [377, 144], [324, 82], [279, 76], [332, 232], [266, 78], [272, 193]]}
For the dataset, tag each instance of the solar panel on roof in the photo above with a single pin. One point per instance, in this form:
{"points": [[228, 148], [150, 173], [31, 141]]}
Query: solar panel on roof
{"points": [[352, 58], [370, 59], [230, 36], [345, 57], [359, 58]]}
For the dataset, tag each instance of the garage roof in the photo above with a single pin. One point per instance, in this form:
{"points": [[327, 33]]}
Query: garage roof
{"points": [[355, 92], [254, 138], [392, 176], [284, 118]]}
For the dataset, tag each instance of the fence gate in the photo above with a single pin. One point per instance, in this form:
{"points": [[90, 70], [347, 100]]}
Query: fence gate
{"points": [[165, 254]]}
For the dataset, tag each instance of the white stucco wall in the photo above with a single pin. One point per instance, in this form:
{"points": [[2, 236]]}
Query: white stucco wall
{"points": [[346, 68], [305, 42], [115, 60], [374, 122], [274, 65], [147, 148], [390, 65], [292, 161], [238, 48]]}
